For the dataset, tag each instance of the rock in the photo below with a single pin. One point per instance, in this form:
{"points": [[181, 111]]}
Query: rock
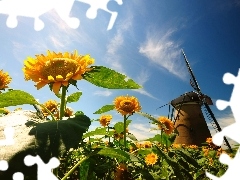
{"points": [[34, 136]]}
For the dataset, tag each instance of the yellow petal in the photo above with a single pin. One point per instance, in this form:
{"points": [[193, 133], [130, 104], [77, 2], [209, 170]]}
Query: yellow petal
{"points": [[59, 78], [56, 86], [65, 83], [77, 77], [40, 84], [50, 78], [69, 75]]}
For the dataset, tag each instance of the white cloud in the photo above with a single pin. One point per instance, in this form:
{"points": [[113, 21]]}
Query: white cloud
{"points": [[223, 122], [164, 52], [141, 131], [113, 56], [103, 93], [141, 79]]}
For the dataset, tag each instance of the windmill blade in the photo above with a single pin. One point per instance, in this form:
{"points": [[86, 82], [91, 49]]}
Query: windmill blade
{"points": [[212, 119], [193, 81]]}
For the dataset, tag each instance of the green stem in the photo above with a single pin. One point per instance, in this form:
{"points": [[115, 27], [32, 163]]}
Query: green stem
{"points": [[63, 102], [108, 135], [124, 131], [74, 167], [49, 112]]}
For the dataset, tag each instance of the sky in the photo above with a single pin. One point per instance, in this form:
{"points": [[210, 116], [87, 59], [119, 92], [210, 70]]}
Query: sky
{"points": [[144, 43]]}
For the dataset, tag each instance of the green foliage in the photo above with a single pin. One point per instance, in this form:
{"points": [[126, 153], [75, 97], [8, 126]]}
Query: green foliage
{"points": [[107, 78], [97, 131], [74, 97], [119, 126], [16, 97], [115, 153], [104, 109]]}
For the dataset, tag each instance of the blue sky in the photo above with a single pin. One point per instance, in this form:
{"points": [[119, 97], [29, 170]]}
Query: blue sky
{"points": [[145, 44]]}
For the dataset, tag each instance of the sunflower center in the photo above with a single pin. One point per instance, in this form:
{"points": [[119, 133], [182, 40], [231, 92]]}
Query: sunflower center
{"points": [[59, 66], [126, 105]]}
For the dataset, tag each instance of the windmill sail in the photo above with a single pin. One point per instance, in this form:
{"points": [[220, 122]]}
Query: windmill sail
{"points": [[206, 101]]}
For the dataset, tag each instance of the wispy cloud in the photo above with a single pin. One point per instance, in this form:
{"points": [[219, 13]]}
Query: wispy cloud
{"points": [[103, 93], [141, 79], [163, 51], [113, 56], [141, 131]]}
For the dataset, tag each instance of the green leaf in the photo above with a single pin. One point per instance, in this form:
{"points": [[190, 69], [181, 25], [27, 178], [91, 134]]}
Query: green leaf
{"points": [[97, 131], [115, 153], [104, 109], [107, 78], [131, 136], [119, 126], [157, 138], [16, 97], [84, 168], [148, 116], [79, 113], [187, 158], [74, 97]]}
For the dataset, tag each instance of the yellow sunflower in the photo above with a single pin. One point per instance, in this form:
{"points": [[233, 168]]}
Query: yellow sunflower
{"points": [[68, 112], [169, 126], [105, 120], [57, 69], [151, 159], [127, 105], [5, 79], [51, 105]]}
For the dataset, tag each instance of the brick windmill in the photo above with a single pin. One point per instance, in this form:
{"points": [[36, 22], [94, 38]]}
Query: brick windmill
{"points": [[189, 119]]}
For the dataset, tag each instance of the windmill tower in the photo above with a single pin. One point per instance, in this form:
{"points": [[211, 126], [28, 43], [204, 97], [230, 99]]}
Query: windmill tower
{"points": [[189, 119]]}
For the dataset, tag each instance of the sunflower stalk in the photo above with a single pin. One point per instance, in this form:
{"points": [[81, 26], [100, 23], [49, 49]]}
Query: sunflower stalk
{"points": [[49, 112], [74, 167], [124, 131], [63, 102]]}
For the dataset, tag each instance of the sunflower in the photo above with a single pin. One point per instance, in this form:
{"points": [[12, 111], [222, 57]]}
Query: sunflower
{"points": [[209, 140], [56, 69], [151, 159], [51, 105], [127, 105], [68, 112], [105, 120], [169, 126], [5, 79]]}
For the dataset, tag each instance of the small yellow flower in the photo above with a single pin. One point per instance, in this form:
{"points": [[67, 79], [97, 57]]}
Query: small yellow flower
{"points": [[169, 126], [57, 69], [105, 120], [5, 79], [51, 105], [127, 105], [193, 146], [4, 111], [17, 109], [209, 140], [176, 145], [151, 159], [68, 112]]}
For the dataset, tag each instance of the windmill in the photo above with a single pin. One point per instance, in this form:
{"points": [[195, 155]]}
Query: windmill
{"points": [[189, 119]]}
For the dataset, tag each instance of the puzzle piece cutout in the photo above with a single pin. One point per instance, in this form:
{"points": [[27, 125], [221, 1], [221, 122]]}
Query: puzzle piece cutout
{"points": [[103, 5], [44, 170], [231, 131], [9, 134], [36, 8]]}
